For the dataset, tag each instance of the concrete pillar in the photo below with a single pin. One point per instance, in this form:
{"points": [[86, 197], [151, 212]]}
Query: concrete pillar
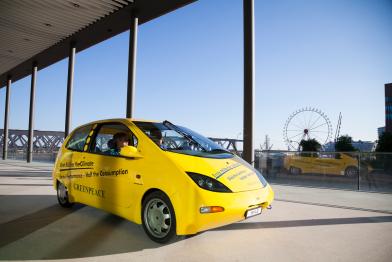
{"points": [[31, 114], [68, 105], [132, 67], [6, 119], [249, 80]]}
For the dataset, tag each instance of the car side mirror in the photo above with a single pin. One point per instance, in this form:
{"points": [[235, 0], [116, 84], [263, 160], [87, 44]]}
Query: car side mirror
{"points": [[130, 151]]}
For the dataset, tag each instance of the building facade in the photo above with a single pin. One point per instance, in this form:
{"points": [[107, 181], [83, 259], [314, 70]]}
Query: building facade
{"points": [[388, 107], [380, 131]]}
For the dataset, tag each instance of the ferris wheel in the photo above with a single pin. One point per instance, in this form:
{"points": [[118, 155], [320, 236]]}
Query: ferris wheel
{"points": [[305, 124]]}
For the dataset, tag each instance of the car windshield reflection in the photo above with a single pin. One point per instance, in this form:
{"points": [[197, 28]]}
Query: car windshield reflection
{"points": [[182, 140]]}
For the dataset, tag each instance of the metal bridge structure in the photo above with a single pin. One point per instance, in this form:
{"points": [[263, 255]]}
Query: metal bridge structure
{"points": [[51, 141], [43, 141], [228, 143]]}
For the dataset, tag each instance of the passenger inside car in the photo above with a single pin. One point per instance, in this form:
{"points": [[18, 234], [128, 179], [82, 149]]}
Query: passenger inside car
{"points": [[156, 136]]}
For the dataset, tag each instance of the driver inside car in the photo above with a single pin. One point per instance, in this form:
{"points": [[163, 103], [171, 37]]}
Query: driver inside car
{"points": [[156, 136], [115, 144]]}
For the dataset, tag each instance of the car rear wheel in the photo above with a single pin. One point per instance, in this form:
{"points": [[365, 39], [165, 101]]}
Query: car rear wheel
{"points": [[159, 221], [295, 170], [351, 171], [62, 195]]}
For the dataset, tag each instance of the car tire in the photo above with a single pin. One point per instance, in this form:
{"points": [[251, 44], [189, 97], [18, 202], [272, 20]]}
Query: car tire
{"points": [[295, 170], [158, 217], [62, 195], [351, 171]]}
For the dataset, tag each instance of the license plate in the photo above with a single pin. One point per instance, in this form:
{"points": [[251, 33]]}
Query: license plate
{"points": [[253, 212]]}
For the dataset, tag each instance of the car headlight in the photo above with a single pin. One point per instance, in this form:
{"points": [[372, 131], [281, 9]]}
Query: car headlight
{"points": [[208, 183], [261, 178], [258, 173]]}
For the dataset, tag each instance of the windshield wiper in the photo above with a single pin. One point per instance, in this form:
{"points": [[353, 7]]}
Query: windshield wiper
{"points": [[187, 136]]}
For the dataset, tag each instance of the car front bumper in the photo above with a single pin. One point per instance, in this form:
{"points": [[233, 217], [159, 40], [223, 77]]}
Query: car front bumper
{"points": [[235, 206]]}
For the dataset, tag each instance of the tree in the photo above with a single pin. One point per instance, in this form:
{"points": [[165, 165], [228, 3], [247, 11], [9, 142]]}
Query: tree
{"points": [[385, 143], [384, 161], [310, 145], [344, 144]]}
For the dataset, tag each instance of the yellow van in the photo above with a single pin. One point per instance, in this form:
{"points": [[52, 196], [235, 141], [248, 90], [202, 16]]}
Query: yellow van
{"points": [[166, 177], [322, 163]]}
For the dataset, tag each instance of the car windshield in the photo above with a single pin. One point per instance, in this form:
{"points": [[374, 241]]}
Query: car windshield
{"points": [[182, 140]]}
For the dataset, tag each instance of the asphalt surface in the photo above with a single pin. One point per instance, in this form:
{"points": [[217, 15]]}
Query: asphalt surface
{"points": [[305, 224]]}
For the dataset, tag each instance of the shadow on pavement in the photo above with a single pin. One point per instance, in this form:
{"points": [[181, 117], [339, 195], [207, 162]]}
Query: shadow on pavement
{"points": [[307, 222], [23, 226], [54, 232], [26, 185], [334, 206], [28, 174], [102, 239]]}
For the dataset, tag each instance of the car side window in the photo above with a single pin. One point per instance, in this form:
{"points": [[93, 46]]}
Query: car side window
{"points": [[111, 137], [78, 138]]}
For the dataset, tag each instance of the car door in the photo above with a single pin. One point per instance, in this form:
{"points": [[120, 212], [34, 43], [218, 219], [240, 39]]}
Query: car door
{"points": [[305, 163], [113, 173], [73, 165], [326, 164]]}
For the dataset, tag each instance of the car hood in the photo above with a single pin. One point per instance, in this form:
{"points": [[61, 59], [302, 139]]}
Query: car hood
{"points": [[233, 172]]}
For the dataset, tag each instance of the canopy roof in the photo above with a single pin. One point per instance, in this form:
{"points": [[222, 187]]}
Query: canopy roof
{"points": [[42, 31]]}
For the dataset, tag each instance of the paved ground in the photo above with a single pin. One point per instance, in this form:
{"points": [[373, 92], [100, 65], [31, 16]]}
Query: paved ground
{"points": [[305, 224]]}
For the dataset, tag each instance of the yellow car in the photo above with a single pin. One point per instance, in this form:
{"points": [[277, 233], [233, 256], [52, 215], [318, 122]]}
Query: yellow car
{"points": [[168, 178], [331, 164]]}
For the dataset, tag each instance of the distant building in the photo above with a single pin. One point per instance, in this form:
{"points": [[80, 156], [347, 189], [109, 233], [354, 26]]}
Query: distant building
{"points": [[388, 107], [330, 146], [380, 130], [366, 146]]}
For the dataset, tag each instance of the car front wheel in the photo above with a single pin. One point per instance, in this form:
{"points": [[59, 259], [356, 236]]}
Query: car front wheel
{"points": [[351, 171], [159, 221]]}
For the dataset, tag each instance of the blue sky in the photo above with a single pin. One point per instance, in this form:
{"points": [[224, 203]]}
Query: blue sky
{"points": [[333, 55]]}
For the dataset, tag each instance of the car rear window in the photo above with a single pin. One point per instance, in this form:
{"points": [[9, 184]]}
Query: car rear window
{"points": [[78, 138]]}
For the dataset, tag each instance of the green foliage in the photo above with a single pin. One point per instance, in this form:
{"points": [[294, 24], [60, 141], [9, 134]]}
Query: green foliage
{"points": [[385, 143], [310, 145], [344, 144]]}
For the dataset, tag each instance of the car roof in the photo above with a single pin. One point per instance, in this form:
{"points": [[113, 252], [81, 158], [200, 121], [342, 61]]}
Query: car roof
{"points": [[120, 120], [130, 120]]}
